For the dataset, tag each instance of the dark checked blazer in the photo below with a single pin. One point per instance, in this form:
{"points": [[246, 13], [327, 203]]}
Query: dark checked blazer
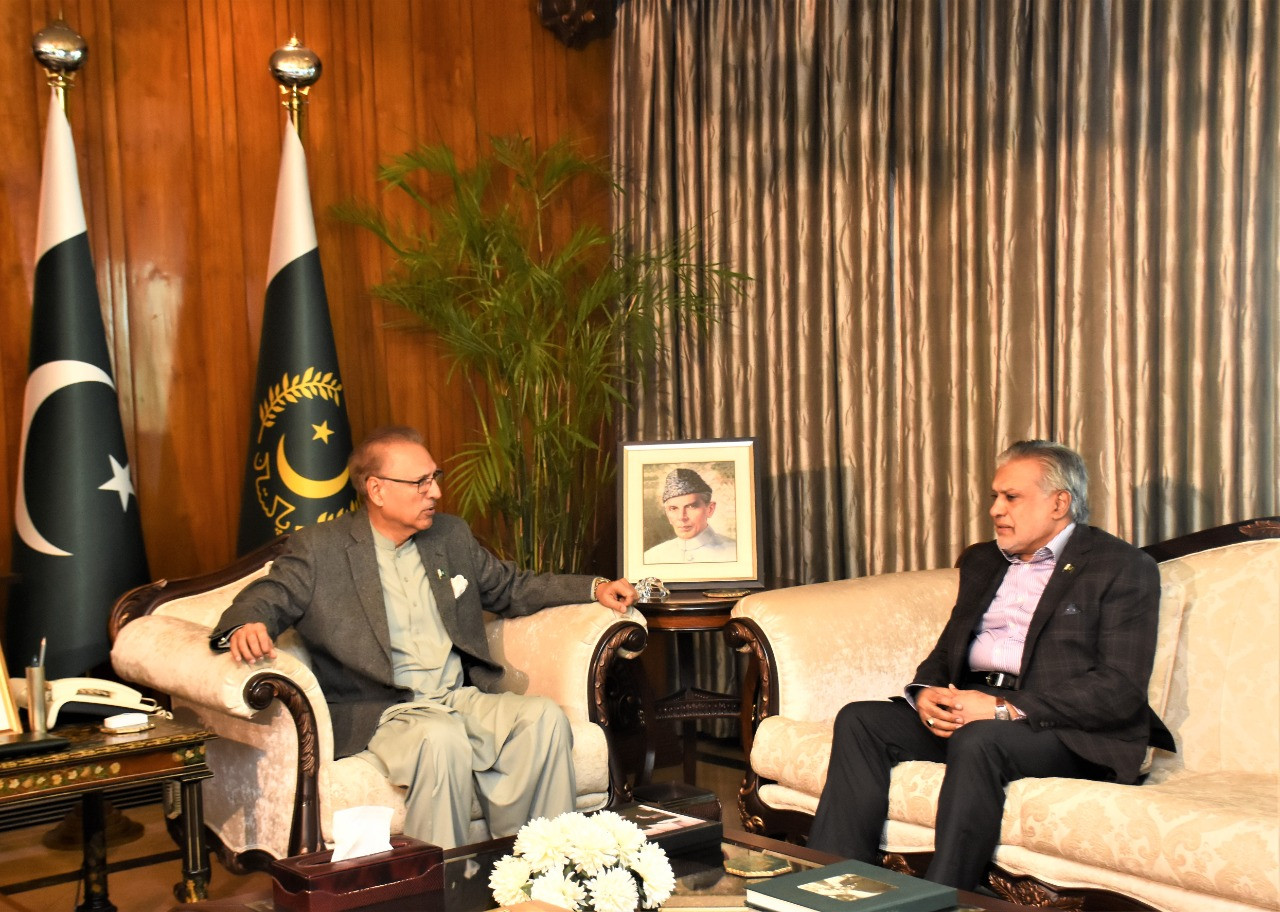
{"points": [[1089, 649], [326, 585]]}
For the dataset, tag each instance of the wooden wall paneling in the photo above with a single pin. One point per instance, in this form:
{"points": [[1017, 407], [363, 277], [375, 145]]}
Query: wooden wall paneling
{"points": [[139, 231], [161, 153], [447, 99], [209, 388], [423, 95], [356, 119], [574, 102], [505, 99], [178, 128], [324, 137], [97, 147], [344, 138], [24, 98]]}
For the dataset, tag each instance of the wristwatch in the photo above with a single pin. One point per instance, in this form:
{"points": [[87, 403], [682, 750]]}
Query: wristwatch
{"points": [[1002, 710], [596, 584]]}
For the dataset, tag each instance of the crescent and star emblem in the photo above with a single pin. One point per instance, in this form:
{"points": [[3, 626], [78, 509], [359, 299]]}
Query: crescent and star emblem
{"points": [[44, 381], [312, 488]]}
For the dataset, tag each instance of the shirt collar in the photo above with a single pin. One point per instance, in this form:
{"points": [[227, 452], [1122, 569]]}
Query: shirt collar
{"points": [[382, 543], [1050, 552]]}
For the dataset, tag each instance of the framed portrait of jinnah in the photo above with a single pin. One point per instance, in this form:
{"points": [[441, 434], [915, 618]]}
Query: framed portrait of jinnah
{"points": [[689, 512]]}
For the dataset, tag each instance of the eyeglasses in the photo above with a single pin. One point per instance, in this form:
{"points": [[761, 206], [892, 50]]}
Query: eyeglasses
{"points": [[423, 484]]}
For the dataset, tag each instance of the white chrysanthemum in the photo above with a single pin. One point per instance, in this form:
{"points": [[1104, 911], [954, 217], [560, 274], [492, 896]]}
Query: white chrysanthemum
{"points": [[558, 890], [613, 891], [628, 836], [592, 848], [509, 879], [542, 843], [654, 870]]}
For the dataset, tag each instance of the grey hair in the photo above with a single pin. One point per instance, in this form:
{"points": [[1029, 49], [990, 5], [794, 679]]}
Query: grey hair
{"points": [[366, 459], [1064, 470]]}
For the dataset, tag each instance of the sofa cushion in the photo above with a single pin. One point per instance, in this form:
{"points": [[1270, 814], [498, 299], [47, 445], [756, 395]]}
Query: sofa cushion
{"points": [[204, 608], [793, 754], [1173, 603], [1223, 700], [1214, 833], [852, 659]]}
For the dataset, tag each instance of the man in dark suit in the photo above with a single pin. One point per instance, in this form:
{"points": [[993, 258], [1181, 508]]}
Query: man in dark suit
{"points": [[1041, 670], [389, 602]]}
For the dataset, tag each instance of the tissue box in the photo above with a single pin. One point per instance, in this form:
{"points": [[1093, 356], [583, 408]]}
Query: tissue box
{"points": [[313, 883]]}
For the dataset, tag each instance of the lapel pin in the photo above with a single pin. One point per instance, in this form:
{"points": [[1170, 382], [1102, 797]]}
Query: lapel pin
{"points": [[1068, 568], [439, 573]]}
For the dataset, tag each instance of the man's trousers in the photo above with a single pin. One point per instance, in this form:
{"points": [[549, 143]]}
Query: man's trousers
{"points": [[982, 757], [510, 753]]}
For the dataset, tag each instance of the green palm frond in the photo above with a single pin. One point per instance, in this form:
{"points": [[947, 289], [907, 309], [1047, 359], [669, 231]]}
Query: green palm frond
{"points": [[543, 329]]}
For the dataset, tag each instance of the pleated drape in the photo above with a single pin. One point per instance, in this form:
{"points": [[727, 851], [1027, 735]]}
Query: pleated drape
{"points": [[967, 223]]}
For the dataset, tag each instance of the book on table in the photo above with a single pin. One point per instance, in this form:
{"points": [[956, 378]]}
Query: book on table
{"points": [[849, 886], [674, 832]]}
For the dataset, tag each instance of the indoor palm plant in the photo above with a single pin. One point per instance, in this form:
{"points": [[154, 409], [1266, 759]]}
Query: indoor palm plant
{"points": [[537, 326]]}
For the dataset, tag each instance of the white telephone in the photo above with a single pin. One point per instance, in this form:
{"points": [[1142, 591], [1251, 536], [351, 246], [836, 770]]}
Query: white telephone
{"points": [[90, 696]]}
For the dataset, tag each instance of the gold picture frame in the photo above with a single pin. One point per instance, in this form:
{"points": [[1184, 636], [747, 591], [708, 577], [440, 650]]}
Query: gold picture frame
{"points": [[720, 548], [10, 724]]}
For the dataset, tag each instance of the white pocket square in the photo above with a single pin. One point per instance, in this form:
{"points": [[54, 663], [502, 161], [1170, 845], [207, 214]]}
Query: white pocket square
{"points": [[459, 584]]}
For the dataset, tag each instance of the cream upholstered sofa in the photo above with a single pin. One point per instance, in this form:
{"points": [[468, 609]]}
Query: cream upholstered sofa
{"points": [[276, 783], [1199, 834]]}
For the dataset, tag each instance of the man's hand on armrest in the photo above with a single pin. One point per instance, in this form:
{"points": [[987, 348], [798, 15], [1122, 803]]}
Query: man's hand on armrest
{"points": [[617, 595], [250, 642]]}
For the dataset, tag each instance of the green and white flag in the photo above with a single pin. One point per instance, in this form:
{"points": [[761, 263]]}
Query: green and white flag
{"points": [[78, 536], [299, 436]]}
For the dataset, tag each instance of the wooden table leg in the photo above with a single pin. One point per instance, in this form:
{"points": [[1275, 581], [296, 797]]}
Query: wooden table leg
{"points": [[95, 856], [195, 854]]}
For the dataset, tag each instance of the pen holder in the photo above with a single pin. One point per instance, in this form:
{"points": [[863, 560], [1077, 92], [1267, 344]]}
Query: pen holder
{"points": [[37, 700]]}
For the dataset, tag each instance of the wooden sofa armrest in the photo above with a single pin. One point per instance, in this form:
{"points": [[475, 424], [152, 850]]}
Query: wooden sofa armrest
{"points": [[822, 645], [812, 649], [171, 655], [567, 653]]}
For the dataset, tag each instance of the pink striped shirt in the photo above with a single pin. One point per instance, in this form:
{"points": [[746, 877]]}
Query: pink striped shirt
{"points": [[1002, 632]]}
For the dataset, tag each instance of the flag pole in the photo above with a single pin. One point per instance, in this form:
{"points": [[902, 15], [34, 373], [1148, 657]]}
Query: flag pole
{"points": [[296, 68], [298, 390], [61, 50]]}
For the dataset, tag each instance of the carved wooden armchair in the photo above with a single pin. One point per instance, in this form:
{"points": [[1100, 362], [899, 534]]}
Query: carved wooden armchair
{"points": [[276, 783]]}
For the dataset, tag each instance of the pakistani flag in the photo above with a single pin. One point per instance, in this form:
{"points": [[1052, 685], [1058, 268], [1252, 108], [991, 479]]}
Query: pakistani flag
{"points": [[78, 538], [299, 438]]}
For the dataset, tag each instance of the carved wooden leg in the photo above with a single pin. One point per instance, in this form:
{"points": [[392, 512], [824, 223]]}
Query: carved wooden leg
{"points": [[195, 855], [95, 856]]}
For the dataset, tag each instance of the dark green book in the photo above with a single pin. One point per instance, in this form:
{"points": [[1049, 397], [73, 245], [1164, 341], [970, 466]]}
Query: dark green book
{"points": [[849, 886]]}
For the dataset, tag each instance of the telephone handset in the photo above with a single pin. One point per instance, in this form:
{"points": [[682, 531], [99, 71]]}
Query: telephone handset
{"points": [[89, 696]]}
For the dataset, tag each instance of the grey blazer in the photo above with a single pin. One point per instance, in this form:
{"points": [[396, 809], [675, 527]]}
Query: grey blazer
{"points": [[1089, 651], [326, 586]]}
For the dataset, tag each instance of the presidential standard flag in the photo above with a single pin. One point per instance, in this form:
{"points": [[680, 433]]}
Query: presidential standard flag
{"points": [[78, 539], [299, 438]]}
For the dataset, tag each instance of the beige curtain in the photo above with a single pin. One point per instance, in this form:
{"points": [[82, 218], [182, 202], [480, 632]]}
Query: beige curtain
{"points": [[967, 223]]}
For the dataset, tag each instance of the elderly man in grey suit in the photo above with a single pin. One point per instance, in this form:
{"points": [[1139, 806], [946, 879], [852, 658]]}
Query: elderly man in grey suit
{"points": [[389, 602], [1041, 670]]}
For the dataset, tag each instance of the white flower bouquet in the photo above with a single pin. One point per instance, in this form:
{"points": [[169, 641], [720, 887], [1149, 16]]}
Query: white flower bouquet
{"points": [[601, 863]]}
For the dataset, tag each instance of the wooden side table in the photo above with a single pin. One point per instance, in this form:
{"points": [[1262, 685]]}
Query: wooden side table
{"points": [[96, 761], [685, 613]]}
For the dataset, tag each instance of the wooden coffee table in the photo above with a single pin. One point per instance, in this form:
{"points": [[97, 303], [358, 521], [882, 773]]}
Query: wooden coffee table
{"points": [[702, 884]]}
